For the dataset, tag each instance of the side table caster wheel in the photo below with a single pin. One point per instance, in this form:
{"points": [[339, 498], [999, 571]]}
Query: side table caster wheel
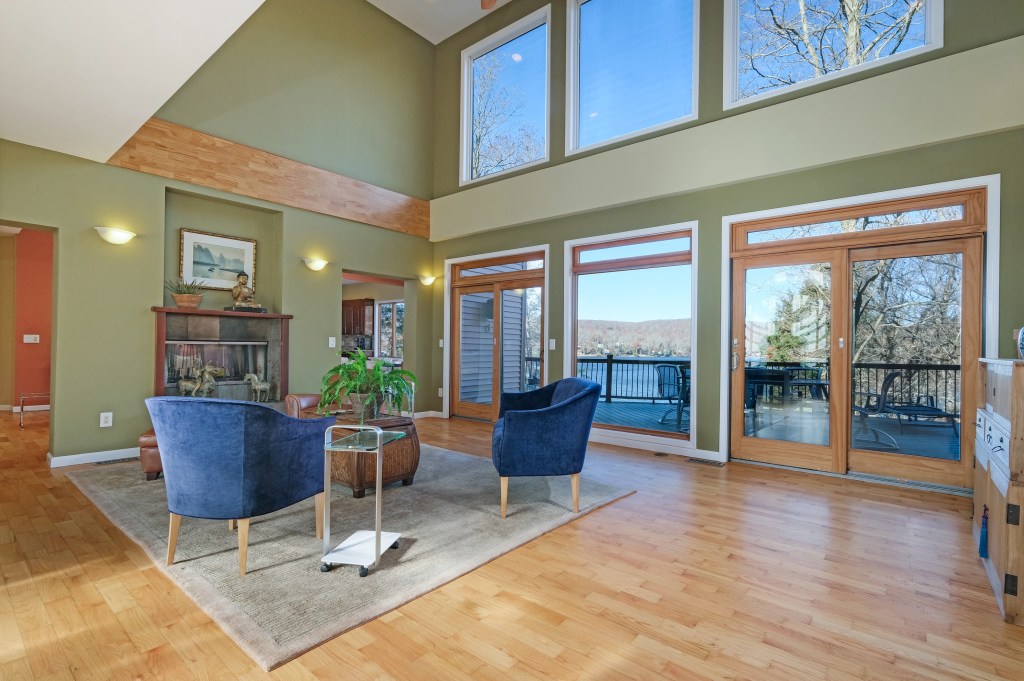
{"points": [[395, 545], [363, 571], [325, 567]]}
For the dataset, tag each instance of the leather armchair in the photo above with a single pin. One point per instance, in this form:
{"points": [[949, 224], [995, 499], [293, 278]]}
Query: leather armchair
{"points": [[544, 432], [235, 460]]}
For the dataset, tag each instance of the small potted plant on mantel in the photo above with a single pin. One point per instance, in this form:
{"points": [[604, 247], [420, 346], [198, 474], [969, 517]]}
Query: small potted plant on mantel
{"points": [[186, 294], [366, 388]]}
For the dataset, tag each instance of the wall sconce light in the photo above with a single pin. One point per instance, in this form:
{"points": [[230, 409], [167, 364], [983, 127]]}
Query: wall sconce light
{"points": [[115, 235], [427, 279], [315, 264]]}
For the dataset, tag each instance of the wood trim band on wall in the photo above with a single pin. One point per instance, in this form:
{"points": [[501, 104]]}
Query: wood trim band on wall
{"points": [[180, 153]]}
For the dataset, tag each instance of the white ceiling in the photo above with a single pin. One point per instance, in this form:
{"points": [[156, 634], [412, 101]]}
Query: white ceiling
{"points": [[435, 20], [82, 76]]}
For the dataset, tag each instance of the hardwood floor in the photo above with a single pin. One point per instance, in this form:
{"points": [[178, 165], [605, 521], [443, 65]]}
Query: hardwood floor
{"points": [[739, 572]]}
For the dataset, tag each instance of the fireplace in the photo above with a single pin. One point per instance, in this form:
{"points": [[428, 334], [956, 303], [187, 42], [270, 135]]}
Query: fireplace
{"points": [[234, 344]]}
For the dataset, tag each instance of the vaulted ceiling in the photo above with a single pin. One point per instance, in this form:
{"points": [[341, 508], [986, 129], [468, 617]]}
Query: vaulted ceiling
{"points": [[82, 77]]}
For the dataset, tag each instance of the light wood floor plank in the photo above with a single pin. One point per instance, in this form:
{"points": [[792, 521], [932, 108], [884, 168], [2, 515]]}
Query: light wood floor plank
{"points": [[706, 572]]}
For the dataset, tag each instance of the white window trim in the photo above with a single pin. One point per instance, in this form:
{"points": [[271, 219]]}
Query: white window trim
{"points": [[990, 323], [511, 32], [730, 98], [645, 441], [376, 325], [446, 336], [572, 85]]}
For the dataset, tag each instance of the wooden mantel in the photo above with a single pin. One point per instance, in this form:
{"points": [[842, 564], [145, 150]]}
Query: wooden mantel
{"points": [[180, 153]]}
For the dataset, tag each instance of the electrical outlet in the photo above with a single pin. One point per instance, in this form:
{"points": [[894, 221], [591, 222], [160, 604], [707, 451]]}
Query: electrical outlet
{"points": [[440, 392], [30, 338], [440, 342], [106, 419], [332, 342]]}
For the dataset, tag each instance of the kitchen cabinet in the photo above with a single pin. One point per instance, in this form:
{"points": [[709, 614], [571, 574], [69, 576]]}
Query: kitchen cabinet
{"points": [[357, 317]]}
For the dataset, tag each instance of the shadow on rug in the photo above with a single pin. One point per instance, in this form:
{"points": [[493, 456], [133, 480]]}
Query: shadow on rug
{"points": [[450, 521]]}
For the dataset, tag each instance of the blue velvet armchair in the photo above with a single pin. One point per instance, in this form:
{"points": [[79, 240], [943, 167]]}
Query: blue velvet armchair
{"points": [[235, 460], [544, 432]]}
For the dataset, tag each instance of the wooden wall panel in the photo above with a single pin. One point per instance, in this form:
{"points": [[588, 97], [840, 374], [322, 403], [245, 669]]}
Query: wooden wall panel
{"points": [[180, 153]]}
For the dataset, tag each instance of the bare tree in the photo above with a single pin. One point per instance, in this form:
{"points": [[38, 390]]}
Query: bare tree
{"points": [[499, 141], [783, 42]]}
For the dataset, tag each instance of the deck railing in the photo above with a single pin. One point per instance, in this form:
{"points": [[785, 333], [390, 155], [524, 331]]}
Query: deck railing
{"points": [[628, 378]]}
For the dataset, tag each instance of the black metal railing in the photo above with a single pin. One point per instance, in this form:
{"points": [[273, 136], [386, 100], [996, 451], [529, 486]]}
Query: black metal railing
{"points": [[629, 378], [933, 385]]}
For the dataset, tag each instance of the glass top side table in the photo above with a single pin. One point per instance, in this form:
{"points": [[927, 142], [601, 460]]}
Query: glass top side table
{"points": [[362, 548]]}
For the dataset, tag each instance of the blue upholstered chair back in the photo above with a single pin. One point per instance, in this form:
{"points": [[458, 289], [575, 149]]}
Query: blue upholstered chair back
{"points": [[232, 459], [545, 431]]}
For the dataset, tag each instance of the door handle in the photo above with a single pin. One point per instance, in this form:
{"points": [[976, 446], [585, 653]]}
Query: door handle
{"points": [[735, 361]]}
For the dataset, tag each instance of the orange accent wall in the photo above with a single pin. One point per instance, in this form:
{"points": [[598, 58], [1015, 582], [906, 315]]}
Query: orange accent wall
{"points": [[33, 310]]}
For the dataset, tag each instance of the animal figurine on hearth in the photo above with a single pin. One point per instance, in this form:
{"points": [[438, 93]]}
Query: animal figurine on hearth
{"points": [[260, 389], [202, 382]]}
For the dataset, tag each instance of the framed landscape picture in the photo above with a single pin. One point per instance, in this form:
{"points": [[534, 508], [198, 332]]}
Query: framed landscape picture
{"points": [[216, 261]]}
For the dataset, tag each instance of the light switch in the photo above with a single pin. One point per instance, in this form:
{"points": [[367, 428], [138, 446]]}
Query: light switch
{"points": [[30, 338], [551, 343], [332, 342], [440, 342]]}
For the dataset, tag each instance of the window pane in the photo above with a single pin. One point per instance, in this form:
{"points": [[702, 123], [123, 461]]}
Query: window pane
{"points": [[635, 66], [864, 224], [633, 337], [681, 244], [510, 104], [504, 267], [784, 42], [384, 329], [399, 329]]}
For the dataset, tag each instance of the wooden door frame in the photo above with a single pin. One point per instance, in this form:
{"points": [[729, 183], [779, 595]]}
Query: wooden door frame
{"points": [[828, 458], [921, 468], [495, 287]]}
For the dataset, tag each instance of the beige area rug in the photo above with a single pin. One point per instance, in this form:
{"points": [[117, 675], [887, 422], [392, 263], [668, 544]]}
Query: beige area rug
{"points": [[450, 521]]}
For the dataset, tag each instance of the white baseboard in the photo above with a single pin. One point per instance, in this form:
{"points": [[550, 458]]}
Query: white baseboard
{"points": [[430, 414], [6, 407], [31, 407], [91, 457], [652, 443]]}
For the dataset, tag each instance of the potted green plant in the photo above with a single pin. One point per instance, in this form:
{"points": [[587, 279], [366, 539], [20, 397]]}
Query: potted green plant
{"points": [[187, 294], [366, 388]]}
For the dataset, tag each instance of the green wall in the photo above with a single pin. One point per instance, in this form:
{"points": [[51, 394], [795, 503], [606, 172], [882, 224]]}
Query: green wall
{"points": [[968, 24], [991, 154], [373, 291], [336, 84], [104, 329]]}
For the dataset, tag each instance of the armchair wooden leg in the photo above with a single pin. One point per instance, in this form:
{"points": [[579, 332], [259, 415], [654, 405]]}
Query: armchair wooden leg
{"points": [[231, 525], [504, 496], [243, 544], [318, 504], [172, 537], [575, 492]]}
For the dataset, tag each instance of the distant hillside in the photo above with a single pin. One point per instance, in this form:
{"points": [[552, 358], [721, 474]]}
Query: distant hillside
{"points": [[655, 337]]}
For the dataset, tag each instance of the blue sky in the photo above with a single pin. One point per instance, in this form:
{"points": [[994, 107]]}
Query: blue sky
{"points": [[636, 66], [635, 295]]}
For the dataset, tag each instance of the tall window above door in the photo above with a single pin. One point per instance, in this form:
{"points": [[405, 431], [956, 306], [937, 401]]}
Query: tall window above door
{"points": [[632, 68], [505, 99], [774, 46]]}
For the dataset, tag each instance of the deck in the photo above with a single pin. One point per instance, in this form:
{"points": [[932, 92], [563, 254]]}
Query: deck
{"points": [[634, 414]]}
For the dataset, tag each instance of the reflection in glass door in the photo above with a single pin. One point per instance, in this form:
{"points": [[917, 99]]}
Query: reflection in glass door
{"points": [[912, 354], [520, 339], [475, 332], [782, 363]]}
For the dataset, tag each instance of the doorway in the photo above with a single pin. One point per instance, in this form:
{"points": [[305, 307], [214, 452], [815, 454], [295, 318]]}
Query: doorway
{"points": [[854, 334], [497, 327]]}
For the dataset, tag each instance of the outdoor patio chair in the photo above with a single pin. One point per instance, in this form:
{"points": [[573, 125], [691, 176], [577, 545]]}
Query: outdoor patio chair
{"points": [[544, 432], [673, 386], [873, 404], [235, 460], [925, 406]]}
